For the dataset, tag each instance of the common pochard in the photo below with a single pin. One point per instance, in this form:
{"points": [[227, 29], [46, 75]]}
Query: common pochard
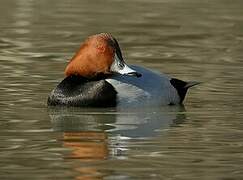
{"points": [[97, 76]]}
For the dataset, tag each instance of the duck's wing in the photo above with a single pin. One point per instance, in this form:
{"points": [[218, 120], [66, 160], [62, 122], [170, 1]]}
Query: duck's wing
{"points": [[79, 91]]}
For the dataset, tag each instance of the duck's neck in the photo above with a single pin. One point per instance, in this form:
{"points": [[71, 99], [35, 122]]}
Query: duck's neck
{"points": [[97, 77]]}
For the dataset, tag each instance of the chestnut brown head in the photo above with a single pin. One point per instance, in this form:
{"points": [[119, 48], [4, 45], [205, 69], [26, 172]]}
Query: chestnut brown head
{"points": [[99, 54]]}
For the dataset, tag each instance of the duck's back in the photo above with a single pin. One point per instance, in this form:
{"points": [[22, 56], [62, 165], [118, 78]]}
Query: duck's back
{"points": [[151, 89]]}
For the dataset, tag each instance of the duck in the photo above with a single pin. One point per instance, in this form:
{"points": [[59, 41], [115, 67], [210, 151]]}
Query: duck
{"points": [[98, 76]]}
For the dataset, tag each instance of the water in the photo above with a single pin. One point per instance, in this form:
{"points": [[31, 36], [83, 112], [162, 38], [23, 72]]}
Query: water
{"points": [[190, 40]]}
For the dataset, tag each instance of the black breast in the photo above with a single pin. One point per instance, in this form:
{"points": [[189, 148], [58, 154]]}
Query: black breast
{"points": [[79, 91]]}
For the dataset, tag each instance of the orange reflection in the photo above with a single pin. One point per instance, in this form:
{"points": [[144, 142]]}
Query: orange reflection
{"points": [[87, 146]]}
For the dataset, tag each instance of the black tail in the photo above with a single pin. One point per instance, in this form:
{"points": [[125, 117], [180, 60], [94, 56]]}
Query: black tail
{"points": [[182, 87]]}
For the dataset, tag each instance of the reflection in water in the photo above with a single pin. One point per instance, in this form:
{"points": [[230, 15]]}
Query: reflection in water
{"points": [[97, 134], [135, 123], [86, 146]]}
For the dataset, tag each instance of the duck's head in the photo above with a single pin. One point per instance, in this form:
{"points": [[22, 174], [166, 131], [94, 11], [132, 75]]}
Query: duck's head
{"points": [[99, 54]]}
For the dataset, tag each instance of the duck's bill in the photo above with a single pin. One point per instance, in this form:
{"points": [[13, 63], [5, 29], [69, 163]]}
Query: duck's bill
{"points": [[126, 70], [120, 67]]}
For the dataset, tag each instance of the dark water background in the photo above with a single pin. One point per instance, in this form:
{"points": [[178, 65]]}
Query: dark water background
{"points": [[188, 39]]}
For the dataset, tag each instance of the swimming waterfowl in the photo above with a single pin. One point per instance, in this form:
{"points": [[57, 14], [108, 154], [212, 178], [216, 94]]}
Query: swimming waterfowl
{"points": [[97, 76]]}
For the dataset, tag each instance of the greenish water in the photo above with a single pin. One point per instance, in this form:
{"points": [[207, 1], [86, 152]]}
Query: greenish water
{"points": [[188, 39]]}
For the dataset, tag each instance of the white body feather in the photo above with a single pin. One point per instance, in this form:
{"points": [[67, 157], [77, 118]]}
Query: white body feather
{"points": [[152, 89]]}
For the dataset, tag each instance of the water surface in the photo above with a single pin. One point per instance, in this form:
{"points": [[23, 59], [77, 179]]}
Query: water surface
{"points": [[190, 40]]}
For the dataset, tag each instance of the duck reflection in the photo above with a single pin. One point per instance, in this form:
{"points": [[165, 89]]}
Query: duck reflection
{"points": [[135, 123], [86, 145], [93, 135]]}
